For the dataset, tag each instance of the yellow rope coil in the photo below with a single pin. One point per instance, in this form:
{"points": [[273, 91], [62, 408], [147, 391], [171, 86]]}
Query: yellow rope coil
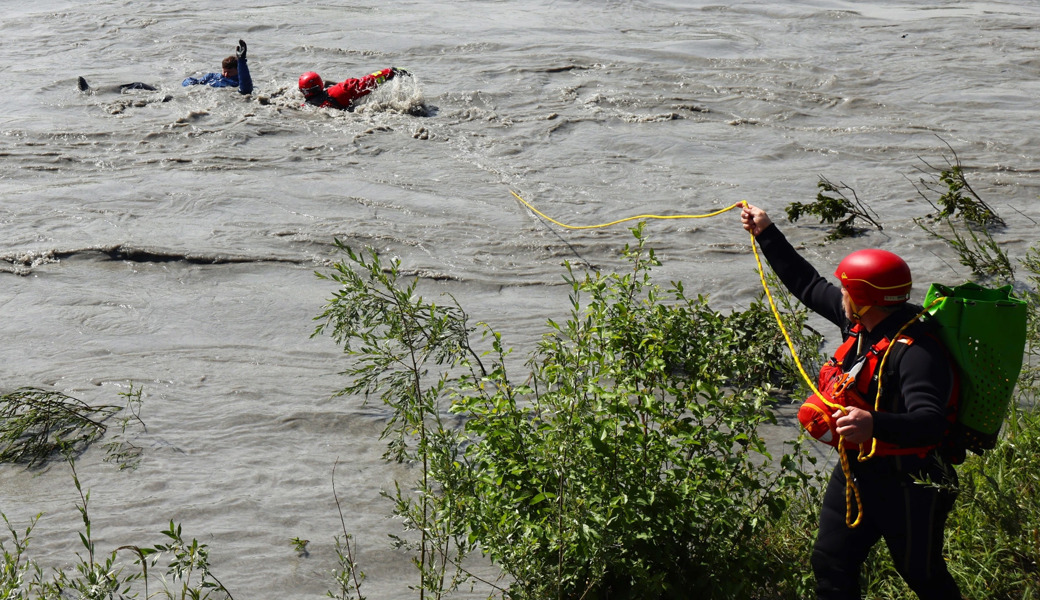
{"points": [[852, 495]]}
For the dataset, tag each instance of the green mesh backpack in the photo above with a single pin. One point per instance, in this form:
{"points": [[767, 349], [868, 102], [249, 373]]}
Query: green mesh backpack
{"points": [[985, 332]]}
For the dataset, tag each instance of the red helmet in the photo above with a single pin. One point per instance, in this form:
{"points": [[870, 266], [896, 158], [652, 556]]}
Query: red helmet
{"points": [[311, 83], [875, 278]]}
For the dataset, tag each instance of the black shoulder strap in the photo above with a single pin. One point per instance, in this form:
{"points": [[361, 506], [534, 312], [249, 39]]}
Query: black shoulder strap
{"points": [[889, 378]]}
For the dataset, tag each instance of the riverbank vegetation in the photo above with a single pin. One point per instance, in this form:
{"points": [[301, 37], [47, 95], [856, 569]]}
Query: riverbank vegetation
{"points": [[624, 460]]}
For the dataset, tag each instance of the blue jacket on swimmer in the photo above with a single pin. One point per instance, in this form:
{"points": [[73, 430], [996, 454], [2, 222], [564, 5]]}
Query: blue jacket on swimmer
{"points": [[234, 73]]}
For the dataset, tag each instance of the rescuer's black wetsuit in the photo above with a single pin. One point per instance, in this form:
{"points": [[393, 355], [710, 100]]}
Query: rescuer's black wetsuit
{"points": [[910, 517]]}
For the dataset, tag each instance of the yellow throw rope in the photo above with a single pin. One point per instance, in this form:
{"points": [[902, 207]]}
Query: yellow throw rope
{"points": [[601, 225], [851, 489], [852, 495]]}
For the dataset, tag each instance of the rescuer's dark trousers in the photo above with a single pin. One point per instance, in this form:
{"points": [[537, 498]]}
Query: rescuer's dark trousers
{"points": [[910, 517]]}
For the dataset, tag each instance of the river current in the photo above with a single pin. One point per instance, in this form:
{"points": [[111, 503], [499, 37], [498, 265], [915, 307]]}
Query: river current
{"points": [[170, 238]]}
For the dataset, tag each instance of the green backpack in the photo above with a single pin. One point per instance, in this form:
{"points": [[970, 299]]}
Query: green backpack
{"points": [[985, 332]]}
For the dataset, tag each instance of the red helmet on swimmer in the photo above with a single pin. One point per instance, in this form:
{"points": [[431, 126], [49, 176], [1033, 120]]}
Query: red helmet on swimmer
{"points": [[311, 83], [875, 277]]}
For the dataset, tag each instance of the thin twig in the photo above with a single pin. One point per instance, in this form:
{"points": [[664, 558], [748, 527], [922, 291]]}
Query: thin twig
{"points": [[346, 536]]}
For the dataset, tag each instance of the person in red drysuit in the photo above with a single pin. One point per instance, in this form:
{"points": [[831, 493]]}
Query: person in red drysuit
{"points": [[342, 95]]}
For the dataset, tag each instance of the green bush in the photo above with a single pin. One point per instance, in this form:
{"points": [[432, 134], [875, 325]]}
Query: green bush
{"points": [[628, 464]]}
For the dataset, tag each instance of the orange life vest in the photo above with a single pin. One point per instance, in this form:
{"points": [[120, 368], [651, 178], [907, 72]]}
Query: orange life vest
{"points": [[857, 387]]}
